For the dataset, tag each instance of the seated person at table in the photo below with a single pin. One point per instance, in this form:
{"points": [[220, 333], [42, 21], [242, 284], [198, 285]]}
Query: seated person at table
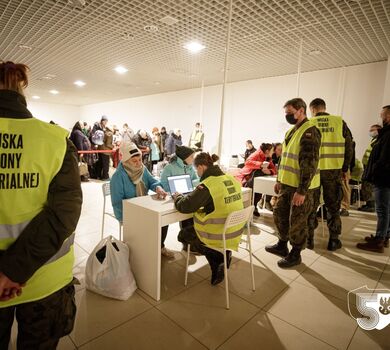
{"points": [[277, 153], [217, 196], [132, 179], [255, 166], [179, 164], [249, 150]]}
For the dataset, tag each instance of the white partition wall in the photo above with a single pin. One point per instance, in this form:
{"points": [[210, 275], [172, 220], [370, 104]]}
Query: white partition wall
{"points": [[254, 107]]}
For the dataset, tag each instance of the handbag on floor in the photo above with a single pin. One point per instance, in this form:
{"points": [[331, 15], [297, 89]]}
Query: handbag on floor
{"points": [[108, 270]]}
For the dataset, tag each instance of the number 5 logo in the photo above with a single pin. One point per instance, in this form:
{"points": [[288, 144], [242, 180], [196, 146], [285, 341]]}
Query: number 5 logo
{"points": [[374, 307]]}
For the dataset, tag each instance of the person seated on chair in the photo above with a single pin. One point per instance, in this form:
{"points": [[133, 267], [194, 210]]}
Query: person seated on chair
{"points": [[180, 164], [132, 179], [248, 151], [217, 196], [259, 163]]}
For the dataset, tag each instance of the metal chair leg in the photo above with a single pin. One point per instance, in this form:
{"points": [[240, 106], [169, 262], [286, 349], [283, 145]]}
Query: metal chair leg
{"points": [[250, 259], [226, 280], [187, 263]]}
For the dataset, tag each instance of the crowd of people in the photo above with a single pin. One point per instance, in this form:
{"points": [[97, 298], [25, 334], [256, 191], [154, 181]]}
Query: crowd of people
{"points": [[155, 147]]}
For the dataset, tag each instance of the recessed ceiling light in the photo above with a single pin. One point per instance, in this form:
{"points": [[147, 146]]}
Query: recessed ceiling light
{"points": [[35, 97], [194, 47], [156, 83], [315, 52], [120, 69], [25, 47], [79, 83], [54, 92], [151, 28], [169, 20]]}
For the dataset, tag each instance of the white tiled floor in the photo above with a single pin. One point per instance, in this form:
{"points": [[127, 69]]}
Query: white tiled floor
{"points": [[300, 308]]}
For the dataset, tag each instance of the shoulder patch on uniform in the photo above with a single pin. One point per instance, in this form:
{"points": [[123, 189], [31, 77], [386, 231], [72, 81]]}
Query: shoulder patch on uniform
{"points": [[308, 134]]}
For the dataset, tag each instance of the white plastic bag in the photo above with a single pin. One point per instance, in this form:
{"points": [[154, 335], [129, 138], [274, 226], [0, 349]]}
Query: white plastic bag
{"points": [[110, 276]]}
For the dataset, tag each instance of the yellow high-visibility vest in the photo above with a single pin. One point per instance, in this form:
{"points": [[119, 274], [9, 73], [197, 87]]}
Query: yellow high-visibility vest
{"points": [[289, 169], [226, 193], [31, 154], [196, 136], [368, 151], [333, 142]]}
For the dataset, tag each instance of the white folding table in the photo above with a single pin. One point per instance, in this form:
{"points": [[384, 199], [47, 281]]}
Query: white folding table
{"points": [[143, 218]]}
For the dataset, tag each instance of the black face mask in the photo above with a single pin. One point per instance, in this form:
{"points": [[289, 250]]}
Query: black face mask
{"points": [[290, 119]]}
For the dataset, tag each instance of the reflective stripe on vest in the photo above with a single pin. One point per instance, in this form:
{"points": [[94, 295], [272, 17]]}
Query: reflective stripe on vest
{"points": [[368, 151], [227, 198], [333, 142], [289, 169], [35, 151]]}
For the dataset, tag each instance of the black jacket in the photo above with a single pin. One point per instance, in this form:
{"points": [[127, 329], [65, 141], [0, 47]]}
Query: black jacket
{"points": [[200, 197], [377, 170], [44, 235]]}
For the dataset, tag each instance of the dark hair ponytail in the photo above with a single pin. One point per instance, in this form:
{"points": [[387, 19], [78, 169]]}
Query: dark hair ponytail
{"points": [[13, 76], [204, 158]]}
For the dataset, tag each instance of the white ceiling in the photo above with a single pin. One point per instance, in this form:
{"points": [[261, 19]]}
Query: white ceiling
{"points": [[71, 42]]}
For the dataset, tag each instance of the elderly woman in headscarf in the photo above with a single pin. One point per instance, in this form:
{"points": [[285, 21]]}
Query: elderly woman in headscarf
{"points": [[132, 179]]}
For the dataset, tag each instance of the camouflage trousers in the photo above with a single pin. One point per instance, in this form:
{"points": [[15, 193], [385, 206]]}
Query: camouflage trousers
{"points": [[332, 193], [41, 323], [290, 220]]}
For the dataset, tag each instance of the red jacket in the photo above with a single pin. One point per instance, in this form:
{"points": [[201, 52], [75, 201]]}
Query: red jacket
{"points": [[254, 162]]}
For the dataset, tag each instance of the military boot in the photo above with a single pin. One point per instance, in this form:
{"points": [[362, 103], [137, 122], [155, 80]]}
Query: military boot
{"points": [[279, 249], [375, 245], [293, 258], [334, 244]]}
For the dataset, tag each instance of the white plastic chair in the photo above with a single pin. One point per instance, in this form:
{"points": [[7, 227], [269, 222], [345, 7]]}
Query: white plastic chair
{"points": [[106, 192], [243, 216]]}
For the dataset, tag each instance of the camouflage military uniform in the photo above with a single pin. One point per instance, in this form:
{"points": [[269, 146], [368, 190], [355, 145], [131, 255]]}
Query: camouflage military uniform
{"points": [[331, 183], [291, 221], [41, 323]]}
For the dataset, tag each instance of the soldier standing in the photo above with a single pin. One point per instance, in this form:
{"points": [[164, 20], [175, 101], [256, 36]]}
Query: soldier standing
{"points": [[298, 178], [335, 158]]}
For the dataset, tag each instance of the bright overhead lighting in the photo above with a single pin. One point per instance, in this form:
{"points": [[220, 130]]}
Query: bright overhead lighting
{"points": [[156, 83], [54, 92], [35, 97], [79, 83], [194, 47], [120, 69]]}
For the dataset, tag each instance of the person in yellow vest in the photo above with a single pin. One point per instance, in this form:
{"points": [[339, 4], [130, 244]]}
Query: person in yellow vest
{"points": [[41, 199], [336, 155], [197, 137], [367, 190], [217, 196], [298, 179]]}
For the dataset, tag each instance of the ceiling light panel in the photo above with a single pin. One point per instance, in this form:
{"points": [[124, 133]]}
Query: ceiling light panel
{"points": [[88, 41]]}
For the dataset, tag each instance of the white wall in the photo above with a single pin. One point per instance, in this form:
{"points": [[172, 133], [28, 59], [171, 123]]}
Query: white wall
{"points": [[254, 107], [64, 115]]}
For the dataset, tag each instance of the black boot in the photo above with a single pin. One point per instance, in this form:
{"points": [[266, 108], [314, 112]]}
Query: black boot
{"points": [[310, 243], [217, 274], [279, 249], [334, 244], [293, 258], [215, 260], [228, 258]]}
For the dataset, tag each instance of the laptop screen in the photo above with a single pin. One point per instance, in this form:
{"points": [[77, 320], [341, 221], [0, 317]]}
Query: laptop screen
{"points": [[180, 183]]}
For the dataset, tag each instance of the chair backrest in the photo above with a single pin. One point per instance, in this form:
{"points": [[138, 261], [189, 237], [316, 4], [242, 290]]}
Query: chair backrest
{"points": [[239, 217], [106, 189]]}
